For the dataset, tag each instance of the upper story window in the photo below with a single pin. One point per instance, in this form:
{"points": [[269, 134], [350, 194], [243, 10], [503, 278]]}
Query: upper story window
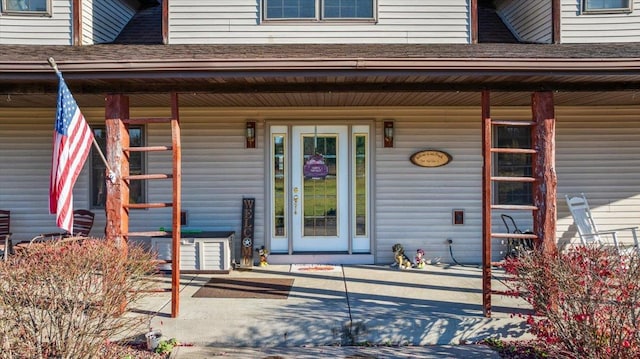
{"points": [[319, 9], [606, 6], [27, 7]]}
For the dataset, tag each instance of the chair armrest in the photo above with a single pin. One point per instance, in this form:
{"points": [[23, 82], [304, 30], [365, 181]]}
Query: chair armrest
{"points": [[8, 246], [48, 236]]}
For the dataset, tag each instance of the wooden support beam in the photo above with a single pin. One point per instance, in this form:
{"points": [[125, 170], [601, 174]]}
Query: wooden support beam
{"points": [[76, 15], [544, 171], [176, 144], [117, 225], [486, 203], [474, 22], [556, 15]]}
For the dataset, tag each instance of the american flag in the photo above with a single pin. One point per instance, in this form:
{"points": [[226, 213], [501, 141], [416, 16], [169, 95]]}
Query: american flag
{"points": [[72, 140]]}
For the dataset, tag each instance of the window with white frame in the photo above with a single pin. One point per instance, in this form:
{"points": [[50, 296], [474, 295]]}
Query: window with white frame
{"points": [[137, 193], [513, 165], [606, 6], [318, 9], [27, 7]]}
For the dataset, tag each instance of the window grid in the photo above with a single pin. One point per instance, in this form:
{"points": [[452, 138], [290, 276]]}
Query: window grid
{"points": [[137, 192], [318, 10], [513, 165], [606, 6], [27, 7]]}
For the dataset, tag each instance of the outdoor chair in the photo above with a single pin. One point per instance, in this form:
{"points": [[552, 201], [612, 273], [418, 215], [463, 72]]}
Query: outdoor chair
{"points": [[5, 233], [587, 229], [516, 246], [82, 224]]}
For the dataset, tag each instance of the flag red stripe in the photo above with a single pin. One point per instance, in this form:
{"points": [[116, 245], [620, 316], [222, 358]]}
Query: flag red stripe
{"points": [[70, 152]]}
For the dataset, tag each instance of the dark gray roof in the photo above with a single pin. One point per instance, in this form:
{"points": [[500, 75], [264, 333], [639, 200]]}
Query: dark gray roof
{"points": [[29, 54], [490, 26], [144, 28]]}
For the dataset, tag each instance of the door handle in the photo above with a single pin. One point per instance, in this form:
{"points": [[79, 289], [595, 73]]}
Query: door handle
{"points": [[295, 203], [295, 200]]}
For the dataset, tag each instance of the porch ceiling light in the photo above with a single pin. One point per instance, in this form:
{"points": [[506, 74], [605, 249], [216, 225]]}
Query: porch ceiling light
{"points": [[251, 135], [388, 133]]}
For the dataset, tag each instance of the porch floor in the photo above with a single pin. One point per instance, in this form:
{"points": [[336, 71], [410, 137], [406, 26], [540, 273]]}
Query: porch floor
{"points": [[355, 304]]}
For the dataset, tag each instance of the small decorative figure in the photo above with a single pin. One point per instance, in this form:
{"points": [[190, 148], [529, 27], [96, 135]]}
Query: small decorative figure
{"points": [[263, 253], [420, 262], [401, 259]]}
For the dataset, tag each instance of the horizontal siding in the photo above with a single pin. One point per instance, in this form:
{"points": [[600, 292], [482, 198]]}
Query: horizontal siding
{"points": [[529, 21], [414, 204], [30, 30], [593, 28], [597, 153], [102, 20], [239, 22]]}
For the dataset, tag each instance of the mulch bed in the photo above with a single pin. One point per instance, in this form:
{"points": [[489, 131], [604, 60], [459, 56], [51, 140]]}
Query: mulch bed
{"points": [[258, 288]]}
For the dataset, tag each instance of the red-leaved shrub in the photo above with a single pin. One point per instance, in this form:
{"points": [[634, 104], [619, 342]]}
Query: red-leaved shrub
{"points": [[66, 299], [587, 300]]}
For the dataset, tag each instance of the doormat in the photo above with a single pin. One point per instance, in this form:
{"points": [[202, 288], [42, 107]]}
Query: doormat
{"points": [[305, 268], [258, 288]]}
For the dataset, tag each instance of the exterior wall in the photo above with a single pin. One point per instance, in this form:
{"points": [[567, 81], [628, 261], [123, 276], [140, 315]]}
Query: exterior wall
{"points": [[102, 20], [591, 28], [239, 22], [597, 153], [34, 30], [529, 21]]}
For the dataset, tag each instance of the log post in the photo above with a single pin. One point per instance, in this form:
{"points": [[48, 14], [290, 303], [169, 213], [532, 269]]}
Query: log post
{"points": [[545, 190], [486, 203], [117, 131]]}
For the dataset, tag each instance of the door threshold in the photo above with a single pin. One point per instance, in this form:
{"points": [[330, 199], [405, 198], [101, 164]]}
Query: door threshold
{"points": [[322, 258]]}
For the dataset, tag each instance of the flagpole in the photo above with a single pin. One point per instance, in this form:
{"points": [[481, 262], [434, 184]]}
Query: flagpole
{"points": [[112, 175]]}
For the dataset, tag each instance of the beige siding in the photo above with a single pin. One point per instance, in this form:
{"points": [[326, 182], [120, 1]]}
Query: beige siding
{"points": [[529, 21], [597, 153], [30, 30], [591, 28], [102, 20], [239, 22]]}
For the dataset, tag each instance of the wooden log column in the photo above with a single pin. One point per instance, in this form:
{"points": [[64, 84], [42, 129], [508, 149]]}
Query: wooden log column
{"points": [[117, 131], [545, 190], [486, 203]]}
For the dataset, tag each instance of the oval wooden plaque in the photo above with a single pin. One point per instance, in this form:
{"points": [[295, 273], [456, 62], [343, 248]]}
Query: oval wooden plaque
{"points": [[430, 158]]}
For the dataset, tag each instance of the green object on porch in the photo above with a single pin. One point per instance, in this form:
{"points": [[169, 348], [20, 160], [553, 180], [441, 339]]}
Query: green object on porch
{"points": [[162, 229]]}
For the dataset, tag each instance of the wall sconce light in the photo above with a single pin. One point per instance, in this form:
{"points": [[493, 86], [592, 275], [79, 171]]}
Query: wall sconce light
{"points": [[251, 135], [388, 133]]}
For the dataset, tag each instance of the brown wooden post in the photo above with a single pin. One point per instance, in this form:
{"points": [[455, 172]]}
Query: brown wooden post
{"points": [[176, 143], [474, 22], [545, 190], [486, 203], [117, 131], [556, 15], [76, 15], [165, 22]]}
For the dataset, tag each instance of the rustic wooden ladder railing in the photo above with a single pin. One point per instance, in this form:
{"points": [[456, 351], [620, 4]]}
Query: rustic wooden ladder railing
{"points": [[176, 177], [488, 183]]}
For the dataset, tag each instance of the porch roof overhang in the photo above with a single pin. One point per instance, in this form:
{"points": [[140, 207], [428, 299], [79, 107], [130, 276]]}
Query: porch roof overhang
{"points": [[601, 73]]}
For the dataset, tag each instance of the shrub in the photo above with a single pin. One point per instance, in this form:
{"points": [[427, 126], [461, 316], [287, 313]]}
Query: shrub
{"points": [[66, 299], [586, 300]]}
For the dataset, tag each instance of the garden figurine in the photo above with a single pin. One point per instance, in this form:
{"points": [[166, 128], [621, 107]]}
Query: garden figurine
{"points": [[419, 260], [263, 253]]}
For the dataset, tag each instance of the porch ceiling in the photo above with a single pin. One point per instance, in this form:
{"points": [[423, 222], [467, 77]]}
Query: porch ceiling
{"points": [[332, 99], [324, 75]]}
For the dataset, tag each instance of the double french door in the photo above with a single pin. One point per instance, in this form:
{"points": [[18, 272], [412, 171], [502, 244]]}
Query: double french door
{"points": [[319, 189]]}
